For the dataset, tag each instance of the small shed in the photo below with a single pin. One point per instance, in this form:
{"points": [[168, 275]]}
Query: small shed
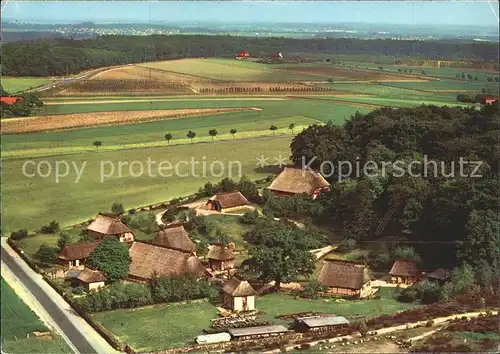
{"points": [[220, 257], [104, 226], [91, 279], [225, 202], [257, 332], [404, 271], [213, 338], [320, 323], [238, 295], [295, 180], [440, 275]]}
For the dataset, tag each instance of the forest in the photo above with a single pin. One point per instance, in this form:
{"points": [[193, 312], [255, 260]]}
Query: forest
{"points": [[449, 216], [65, 56]]}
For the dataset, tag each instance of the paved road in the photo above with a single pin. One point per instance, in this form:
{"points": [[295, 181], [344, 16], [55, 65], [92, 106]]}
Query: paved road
{"points": [[81, 335]]}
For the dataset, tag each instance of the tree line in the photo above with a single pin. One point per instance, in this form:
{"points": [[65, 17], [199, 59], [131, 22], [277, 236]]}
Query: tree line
{"points": [[449, 214], [66, 56]]}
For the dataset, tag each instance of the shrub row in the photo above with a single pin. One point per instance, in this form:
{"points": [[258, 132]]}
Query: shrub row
{"points": [[161, 290]]}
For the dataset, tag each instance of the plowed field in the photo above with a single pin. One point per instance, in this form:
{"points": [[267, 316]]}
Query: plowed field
{"points": [[86, 120]]}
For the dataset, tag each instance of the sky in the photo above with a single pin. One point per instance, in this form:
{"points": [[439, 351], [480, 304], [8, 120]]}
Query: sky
{"points": [[447, 12]]}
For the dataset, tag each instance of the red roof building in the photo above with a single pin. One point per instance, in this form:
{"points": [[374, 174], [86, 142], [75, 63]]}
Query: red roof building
{"points": [[10, 100], [489, 100], [242, 54]]}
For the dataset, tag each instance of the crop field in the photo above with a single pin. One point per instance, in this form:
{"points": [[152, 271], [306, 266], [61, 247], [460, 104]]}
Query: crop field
{"points": [[231, 70], [249, 123], [18, 321], [332, 71], [447, 73], [125, 87], [18, 84], [85, 120], [396, 103]]}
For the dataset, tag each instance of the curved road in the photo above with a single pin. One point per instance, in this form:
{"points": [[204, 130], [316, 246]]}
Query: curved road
{"points": [[76, 330]]}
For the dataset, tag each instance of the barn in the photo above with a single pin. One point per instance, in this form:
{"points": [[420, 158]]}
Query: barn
{"points": [[227, 201], [404, 271], [242, 54], [104, 226], [295, 180], [175, 237], [75, 255], [345, 278], [220, 257]]}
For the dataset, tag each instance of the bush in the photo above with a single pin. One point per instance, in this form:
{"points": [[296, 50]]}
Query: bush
{"points": [[19, 235], [429, 323], [47, 254], [131, 211], [313, 289], [250, 217], [64, 240], [347, 245], [117, 208], [51, 228]]}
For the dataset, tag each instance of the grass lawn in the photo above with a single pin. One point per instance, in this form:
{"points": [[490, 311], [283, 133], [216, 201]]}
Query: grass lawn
{"points": [[31, 244], [400, 103], [230, 70], [229, 224], [17, 321], [70, 202], [159, 327], [18, 84], [275, 305]]}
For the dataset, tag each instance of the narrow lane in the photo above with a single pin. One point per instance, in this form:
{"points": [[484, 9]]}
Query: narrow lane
{"points": [[72, 333]]}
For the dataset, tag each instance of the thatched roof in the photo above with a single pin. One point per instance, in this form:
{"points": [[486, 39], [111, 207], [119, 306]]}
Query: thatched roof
{"points": [[404, 268], [91, 276], [220, 252], [440, 274], [297, 180], [147, 259], [174, 236], [108, 225], [343, 274], [238, 287], [230, 199], [77, 252]]}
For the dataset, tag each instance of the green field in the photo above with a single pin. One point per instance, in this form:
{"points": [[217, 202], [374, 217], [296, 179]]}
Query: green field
{"points": [[249, 124], [144, 329], [447, 73], [18, 84], [18, 321], [158, 327], [231, 70], [43, 199], [398, 103]]}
